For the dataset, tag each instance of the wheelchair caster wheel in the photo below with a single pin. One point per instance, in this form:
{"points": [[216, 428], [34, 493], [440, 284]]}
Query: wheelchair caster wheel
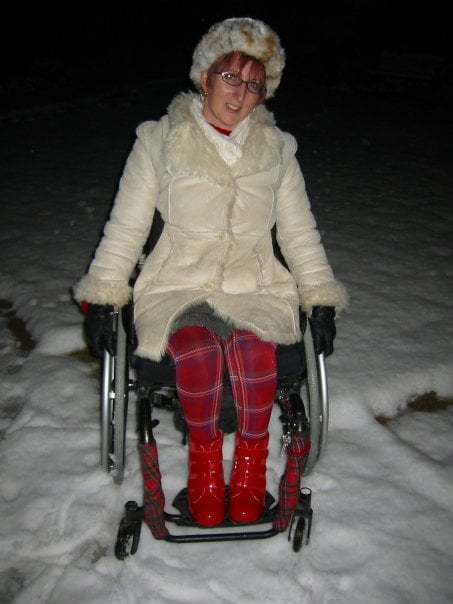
{"points": [[129, 531], [303, 516], [299, 531]]}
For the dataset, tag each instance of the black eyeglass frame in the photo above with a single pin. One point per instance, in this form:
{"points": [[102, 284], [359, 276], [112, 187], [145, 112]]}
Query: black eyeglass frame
{"points": [[261, 89]]}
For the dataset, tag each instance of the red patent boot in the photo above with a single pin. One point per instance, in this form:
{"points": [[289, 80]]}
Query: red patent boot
{"points": [[248, 479], [205, 485]]}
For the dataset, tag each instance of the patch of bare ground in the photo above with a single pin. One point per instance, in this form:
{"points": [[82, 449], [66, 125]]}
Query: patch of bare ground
{"points": [[17, 327], [83, 355], [429, 402]]}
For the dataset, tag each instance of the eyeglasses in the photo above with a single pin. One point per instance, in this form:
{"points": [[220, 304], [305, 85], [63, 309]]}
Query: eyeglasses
{"points": [[233, 79]]}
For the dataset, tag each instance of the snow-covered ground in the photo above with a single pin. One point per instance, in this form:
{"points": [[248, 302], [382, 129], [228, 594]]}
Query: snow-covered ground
{"points": [[379, 174]]}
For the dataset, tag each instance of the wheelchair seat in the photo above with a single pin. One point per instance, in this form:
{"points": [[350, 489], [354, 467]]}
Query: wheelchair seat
{"points": [[290, 365]]}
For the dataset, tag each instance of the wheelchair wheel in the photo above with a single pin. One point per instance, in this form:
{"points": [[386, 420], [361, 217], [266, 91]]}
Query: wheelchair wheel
{"points": [[315, 393], [107, 406], [114, 401], [299, 531]]}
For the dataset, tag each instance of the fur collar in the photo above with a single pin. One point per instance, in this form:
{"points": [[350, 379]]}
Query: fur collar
{"points": [[187, 151]]}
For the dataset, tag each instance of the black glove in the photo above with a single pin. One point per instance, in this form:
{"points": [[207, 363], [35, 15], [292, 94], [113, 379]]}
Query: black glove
{"points": [[98, 327], [323, 328]]}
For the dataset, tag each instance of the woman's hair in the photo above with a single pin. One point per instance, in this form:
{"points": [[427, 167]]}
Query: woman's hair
{"points": [[238, 60]]}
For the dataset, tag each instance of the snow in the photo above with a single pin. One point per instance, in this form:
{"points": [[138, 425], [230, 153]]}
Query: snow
{"points": [[378, 171]]}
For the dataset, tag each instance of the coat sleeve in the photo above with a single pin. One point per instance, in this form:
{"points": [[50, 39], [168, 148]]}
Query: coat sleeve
{"points": [[125, 233], [300, 242]]}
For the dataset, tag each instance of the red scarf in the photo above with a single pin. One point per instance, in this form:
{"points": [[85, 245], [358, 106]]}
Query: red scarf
{"points": [[221, 130]]}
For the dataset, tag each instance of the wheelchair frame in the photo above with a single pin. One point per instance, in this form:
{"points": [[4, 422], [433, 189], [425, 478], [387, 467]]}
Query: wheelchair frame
{"points": [[312, 417]]}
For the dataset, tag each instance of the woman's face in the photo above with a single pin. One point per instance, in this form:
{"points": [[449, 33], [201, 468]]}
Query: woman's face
{"points": [[225, 105]]}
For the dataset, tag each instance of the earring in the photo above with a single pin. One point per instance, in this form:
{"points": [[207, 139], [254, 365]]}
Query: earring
{"points": [[203, 95]]}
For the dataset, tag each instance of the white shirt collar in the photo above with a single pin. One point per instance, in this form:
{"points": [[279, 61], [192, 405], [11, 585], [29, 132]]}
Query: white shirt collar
{"points": [[228, 147]]}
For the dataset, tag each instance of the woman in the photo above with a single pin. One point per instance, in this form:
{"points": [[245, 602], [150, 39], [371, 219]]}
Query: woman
{"points": [[221, 174]]}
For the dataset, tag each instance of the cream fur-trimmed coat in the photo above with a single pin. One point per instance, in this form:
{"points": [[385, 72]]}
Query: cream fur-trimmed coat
{"points": [[216, 244]]}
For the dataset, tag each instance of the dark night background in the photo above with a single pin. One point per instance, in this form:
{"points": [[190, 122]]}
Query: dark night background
{"points": [[53, 54]]}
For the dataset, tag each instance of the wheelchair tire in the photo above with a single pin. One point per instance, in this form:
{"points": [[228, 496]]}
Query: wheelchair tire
{"points": [[315, 393], [114, 402], [107, 406], [121, 401]]}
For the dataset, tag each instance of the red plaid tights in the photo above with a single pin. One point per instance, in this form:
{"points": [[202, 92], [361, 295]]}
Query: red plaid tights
{"points": [[199, 357]]}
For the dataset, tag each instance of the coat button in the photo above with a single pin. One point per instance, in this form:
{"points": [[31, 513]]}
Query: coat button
{"points": [[207, 286], [223, 236]]}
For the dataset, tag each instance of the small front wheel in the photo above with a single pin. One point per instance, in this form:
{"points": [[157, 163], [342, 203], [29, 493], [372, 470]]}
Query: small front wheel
{"points": [[299, 534]]}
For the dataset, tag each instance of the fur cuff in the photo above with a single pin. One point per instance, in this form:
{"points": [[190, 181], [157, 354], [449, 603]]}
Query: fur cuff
{"points": [[325, 294], [97, 291]]}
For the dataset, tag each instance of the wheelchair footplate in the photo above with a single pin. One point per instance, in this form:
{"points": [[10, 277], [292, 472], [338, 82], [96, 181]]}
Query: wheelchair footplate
{"points": [[130, 526], [184, 518]]}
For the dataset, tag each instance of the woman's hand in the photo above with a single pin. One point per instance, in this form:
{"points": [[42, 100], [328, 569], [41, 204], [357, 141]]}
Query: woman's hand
{"points": [[99, 331], [322, 322]]}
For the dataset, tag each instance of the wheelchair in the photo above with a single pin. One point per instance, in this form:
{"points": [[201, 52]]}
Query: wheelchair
{"points": [[302, 396]]}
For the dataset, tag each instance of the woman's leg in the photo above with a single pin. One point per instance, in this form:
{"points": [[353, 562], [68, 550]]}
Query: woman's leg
{"points": [[253, 375], [198, 358], [198, 361]]}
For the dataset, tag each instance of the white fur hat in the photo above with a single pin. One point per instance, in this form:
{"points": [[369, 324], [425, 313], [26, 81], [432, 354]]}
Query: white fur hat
{"points": [[249, 36]]}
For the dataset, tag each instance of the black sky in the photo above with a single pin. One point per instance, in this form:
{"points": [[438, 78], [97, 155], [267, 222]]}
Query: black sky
{"points": [[77, 43]]}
